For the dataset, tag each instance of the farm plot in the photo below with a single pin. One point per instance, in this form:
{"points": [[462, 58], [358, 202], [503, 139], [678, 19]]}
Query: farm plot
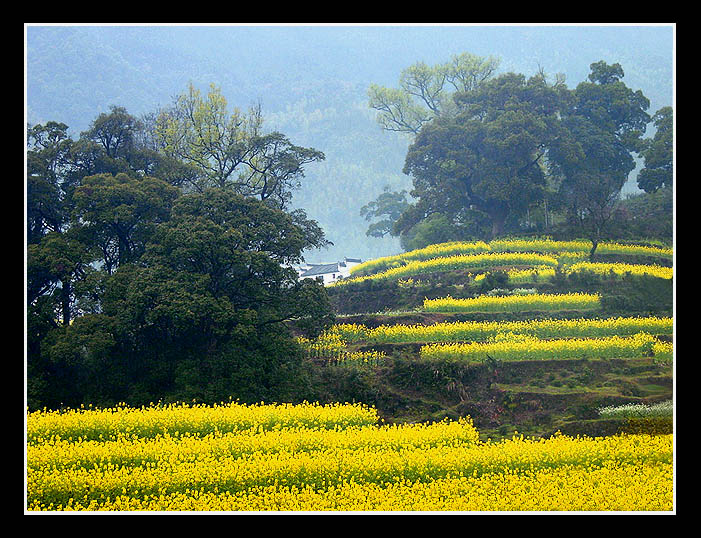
{"points": [[524, 261], [297, 458]]}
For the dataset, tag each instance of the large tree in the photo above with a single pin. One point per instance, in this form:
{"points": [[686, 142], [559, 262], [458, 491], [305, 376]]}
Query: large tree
{"points": [[48, 185], [603, 128], [510, 143], [229, 149], [425, 92], [202, 314], [387, 207], [117, 215], [140, 287], [489, 157], [115, 132], [54, 260]]}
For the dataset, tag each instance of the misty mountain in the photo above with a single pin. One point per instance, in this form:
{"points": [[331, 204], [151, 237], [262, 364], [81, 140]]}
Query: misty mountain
{"points": [[312, 82]]}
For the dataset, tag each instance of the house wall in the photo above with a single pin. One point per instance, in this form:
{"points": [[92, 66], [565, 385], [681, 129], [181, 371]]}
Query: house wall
{"points": [[331, 277], [345, 271]]}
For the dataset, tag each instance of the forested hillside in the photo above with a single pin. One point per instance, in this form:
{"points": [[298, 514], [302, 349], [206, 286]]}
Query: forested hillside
{"points": [[312, 84]]}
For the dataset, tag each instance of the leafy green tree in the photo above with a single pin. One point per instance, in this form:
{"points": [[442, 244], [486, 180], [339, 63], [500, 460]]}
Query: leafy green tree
{"points": [[425, 92], [231, 255], [115, 132], [230, 150], [389, 205], [81, 363], [200, 132], [436, 228], [275, 169], [608, 103], [603, 127], [117, 214], [138, 292], [54, 265], [650, 215], [488, 158], [48, 188], [202, 314], [54, 259], [657, 153]]}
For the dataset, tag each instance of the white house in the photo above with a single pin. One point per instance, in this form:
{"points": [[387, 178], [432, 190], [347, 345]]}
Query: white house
{"points": [[329, 272]]}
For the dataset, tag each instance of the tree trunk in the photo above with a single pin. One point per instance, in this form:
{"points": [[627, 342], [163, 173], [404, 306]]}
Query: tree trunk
{"points": [[497, 228], [594, 244], [498, 214], [545, 212], [66, 301]]}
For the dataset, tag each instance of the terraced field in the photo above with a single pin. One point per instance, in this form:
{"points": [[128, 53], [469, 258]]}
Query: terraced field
{"points": [[522, 335], [487, 385], [310, 457]]}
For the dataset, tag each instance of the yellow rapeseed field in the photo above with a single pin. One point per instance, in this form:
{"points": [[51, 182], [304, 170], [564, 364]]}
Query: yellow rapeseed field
{"points": [[620, 269], [563, 249], [451, 248], [510, 347], [452, 263], [303, 462], [547, 302], [103, 424], [480, 331]]}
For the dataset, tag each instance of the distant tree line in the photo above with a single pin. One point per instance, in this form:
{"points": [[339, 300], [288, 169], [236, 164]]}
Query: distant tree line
{"points": [[492, 155], [159, 258]]}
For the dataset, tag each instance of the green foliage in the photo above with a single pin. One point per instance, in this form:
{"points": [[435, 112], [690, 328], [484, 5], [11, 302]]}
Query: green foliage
{"points": [[603, 127], [436, 228], [510, 145], [163, 294], [425, 91], [229, 149], [493, 280], [486, 157], [389, 204], [658, 154], [200, 317], [645, 215], [117, 214]]}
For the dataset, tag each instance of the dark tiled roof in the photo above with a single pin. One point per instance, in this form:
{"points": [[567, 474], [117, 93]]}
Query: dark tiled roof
{"points": [[321, 269]]}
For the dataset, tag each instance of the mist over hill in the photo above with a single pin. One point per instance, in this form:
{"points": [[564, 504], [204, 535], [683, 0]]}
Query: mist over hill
{"points": [[312, 82]]}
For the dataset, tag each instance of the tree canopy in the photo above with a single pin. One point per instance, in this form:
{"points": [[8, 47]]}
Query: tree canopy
{"points": [[425, 92], [487, 157], [658, 155], [151, 278], [501, 147], [605, 125], [229, 149]]}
